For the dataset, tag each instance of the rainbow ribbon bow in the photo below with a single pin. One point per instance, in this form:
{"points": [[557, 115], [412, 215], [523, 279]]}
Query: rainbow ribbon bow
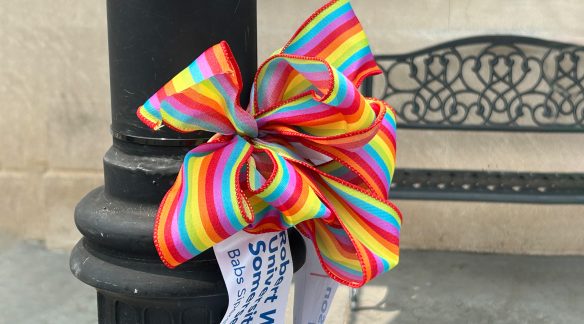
{"points": [[310, 151]]}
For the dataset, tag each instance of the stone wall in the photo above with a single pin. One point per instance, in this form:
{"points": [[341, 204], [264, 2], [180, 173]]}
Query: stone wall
{"points": [[54, 82]]}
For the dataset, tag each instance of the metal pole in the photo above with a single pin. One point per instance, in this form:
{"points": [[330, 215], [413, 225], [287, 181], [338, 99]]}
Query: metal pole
{"points": [[149, 42]]}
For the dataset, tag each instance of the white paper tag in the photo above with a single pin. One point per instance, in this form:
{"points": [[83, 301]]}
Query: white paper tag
{"points": [[313, 290], [257, 269]]}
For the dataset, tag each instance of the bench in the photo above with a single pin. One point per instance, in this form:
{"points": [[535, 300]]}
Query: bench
{"points": [[487, 83]]}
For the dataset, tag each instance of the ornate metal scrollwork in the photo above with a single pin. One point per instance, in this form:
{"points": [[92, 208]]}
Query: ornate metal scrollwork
{"points": [[490, 82]]}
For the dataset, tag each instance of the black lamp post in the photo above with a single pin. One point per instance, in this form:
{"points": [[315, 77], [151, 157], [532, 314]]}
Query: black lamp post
{"points": [[149, 42]]}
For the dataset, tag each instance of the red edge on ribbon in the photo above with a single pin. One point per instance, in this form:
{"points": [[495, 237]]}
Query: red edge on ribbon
{"points": [[156, 243], [233, 68], [239, 193], [154, 126], [361, 190], [270, 179], [357, 82]]}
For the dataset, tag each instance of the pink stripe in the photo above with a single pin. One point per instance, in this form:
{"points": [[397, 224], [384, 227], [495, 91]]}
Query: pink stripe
{"points": [[348, 99], [376, 168], [290, 186], [217, 181], [154, 101], [193, 113], [321, 77], [279, 79], [276, 79], [204, 67], [355, 66]]}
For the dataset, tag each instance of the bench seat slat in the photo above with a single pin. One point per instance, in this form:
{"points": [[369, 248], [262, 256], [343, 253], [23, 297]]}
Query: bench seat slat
{"points": [[512, 187]]}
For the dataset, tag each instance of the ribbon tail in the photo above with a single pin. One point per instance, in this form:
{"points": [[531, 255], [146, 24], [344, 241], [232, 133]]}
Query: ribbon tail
{"points": [[363, 242], [354, 231], [206, 204]]}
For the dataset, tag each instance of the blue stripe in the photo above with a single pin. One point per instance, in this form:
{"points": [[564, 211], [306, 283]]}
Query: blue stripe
{"points": [[263, 84], [154, 111], [308, 103], [321, 211], [196, 72], [385, 263], [195, 122], [281, 187], [309, 66], [226, 196], [377, 158], [341, 93], [354, 58], [371, 209], [389, 118]]}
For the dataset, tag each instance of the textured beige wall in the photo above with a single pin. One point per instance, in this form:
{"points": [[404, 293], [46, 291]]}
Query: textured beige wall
{"points": [[54, 82], [55, 116]]}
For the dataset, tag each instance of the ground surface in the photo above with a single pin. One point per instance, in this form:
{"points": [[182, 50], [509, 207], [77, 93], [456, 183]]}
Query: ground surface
{"points": [[428, 287]]}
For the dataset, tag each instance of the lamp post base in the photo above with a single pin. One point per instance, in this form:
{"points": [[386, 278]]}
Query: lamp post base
{"points": [[133, 285]]}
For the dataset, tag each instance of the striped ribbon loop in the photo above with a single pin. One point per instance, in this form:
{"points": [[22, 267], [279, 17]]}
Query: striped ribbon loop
{"points": [[310, 151]]}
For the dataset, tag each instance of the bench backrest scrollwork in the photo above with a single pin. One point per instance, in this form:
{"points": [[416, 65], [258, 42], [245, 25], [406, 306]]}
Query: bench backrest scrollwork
{"points": [[496, 83]]}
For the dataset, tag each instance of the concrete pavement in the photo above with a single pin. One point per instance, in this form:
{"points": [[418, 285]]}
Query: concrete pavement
{"points": [[427, 287], [447, 287]]}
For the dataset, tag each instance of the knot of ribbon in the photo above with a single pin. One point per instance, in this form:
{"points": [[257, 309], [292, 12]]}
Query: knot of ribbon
{"points": [[309, 151]]}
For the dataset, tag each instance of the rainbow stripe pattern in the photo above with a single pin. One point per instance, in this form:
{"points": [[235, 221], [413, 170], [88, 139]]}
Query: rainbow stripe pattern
{"points": [[310, 151]]}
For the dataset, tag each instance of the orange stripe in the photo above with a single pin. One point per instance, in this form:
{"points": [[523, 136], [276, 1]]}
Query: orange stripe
{"points": [[337, 44], [339, 202], [165, 219], [301, 200]]}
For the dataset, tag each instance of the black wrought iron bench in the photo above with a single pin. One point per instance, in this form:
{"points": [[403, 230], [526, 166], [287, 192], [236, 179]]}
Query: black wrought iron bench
{"points": [[487, 83]]}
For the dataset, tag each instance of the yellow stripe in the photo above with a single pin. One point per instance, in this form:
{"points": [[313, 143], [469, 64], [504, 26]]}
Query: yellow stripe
{"points": [[298, 85], [358, 230], [357, 41], [193, 223], [328, 248], [183, 80]]}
